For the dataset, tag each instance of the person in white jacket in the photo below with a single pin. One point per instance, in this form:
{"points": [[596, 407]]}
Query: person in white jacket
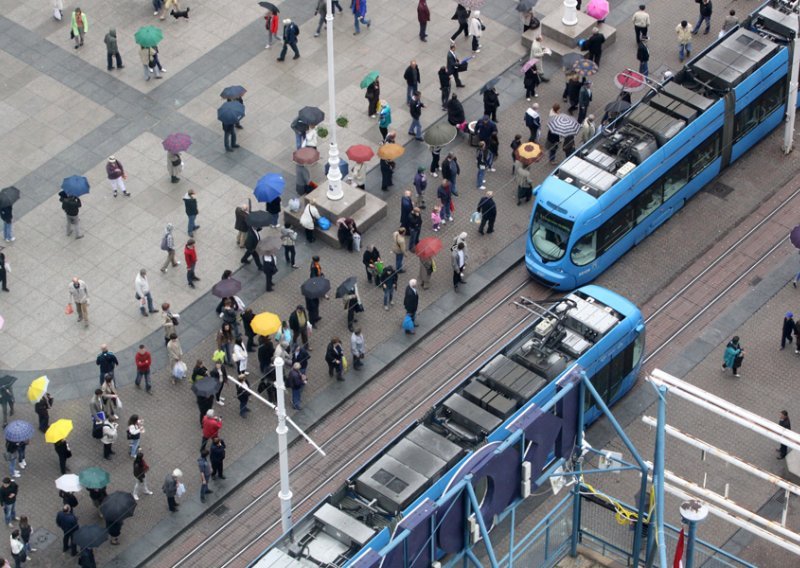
{"points": [[310, 140], [475, 30], [142, 286], [240, 355], [309, 216]]}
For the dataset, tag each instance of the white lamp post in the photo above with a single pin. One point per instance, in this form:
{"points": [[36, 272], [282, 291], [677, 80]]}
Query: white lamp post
{"points": [[570, 17], [334, 192]]}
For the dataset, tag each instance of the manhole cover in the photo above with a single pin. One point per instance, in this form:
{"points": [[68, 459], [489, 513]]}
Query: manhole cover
{"points": [[42, 538], [220, 510], [719, 189]]}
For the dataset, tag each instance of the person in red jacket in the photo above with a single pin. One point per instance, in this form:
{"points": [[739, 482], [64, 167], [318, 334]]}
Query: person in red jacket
{"points": [[424, 16], [143, 361], [211, 427], [190, 254], [271, 23]]}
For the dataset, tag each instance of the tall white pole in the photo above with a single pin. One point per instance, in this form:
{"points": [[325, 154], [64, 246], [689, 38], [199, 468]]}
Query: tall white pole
{"points": [[285, 494], [334, 192], [791, 98]]}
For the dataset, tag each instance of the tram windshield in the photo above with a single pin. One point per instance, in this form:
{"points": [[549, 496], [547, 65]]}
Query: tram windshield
{"points": [[550, 234]]}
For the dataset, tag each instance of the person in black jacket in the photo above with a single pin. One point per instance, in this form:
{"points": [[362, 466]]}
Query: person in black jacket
{"points": [[413, 80], [643, 56], [387, 173], [415, 108], [368, 259], [68, 522], [455, 111], [491, 102], [274, 209], [290, 33], [266, 350], [7, 215], [594, 45], [705, 16], [333, 357], [444, 85], [788, 329], [216, 457], [531, 81], [250, 244], [488, 210], [454, 65], [64, 453], [247, 319], [411, 300], [71, 206], [3, 273], [190, 205], [298, 324], [462, 15], [784, 422]]}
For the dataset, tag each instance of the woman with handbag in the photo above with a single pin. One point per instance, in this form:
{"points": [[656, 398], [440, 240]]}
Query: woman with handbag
{"points": [[140, 469], [307, 219]]}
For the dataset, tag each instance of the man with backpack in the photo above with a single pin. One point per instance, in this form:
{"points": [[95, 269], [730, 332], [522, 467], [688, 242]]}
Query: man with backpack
{"points": [[290, 33], [71, 206]]}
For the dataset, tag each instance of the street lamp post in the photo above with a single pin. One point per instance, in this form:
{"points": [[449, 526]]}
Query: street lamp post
{"points": [[334, 192], [693, 512]]}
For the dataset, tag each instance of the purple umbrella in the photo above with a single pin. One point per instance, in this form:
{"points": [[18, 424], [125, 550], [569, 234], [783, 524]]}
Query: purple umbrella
{"points": [[794, 236], [177, 142]]}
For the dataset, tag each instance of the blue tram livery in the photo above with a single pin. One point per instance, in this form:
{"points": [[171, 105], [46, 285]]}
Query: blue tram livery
{"points": [[592, 330], [627, 180]]}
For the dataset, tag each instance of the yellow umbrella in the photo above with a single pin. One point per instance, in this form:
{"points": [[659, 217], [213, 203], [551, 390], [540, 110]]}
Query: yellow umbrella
{"points": [[58, 431], [266, 323], [38, 388], [390, 151]]}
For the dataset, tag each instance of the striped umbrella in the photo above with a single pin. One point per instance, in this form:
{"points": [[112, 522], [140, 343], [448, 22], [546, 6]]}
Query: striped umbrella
{"points": [[563, 125]]}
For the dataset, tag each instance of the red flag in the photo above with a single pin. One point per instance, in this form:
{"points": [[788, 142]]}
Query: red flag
{"points": [[678, 563]]}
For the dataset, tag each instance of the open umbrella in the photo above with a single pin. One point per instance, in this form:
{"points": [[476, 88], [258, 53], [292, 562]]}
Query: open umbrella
{"points": [[305, 156], [58, 431], [563, 125], [258, 219], [390, 151], [630, 81], [528, 64], [269, 245], [311, 115], [269, 6], [440, 134], [585, 68], [230, 112], [38, 388], [526, 5], [269, 187], [265, 323], [8, 196], [94, 478], [359, 153], [89, 536], [176, 142], [233, 92], [617, 107], [68, 482], [428, 247], [569, 59], [19, 431], [472, 4], [118, 506], [490, 85], [598, 9], [7, 381], [148, 36], [369, 79], [528, 153], [315, 287], [346, 287], [75, 186], [226, 288], [206, 387], [794, 236]]}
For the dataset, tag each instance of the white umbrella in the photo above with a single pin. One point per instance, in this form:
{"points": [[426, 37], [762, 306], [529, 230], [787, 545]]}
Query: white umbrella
{"points": [[69, 483]]}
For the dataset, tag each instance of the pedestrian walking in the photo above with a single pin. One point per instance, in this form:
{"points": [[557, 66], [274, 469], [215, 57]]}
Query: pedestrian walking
{"points": [[107, 362], [643, 57], [357, 348], [384, 119], [534, 122], [359, 9], [444, 85], [11, 457], [147, 55], [134, 434], [190, 256], [143, 360], [63, 452], [297, 381], [684, 32], [731, 21], [140, 469], [373, 96], [784, 422], [594, 45], [411, 300], [399, 248], [415, 108], [705, 16], [240, 223], [733, 356], [789, 327], [413, 80], [445, 210], [116, 176], [387, 174], [4, 270], [79, 27], [168, 245], [79, 293], [175, 354], [530, 81], [205, 474], [168, 322], [42, 409], [71, 206], [462, 16], [7, 401], [488, 211], [67, 521], [251, 244], [229, 137], [290, 33], [584, 99], [170, 488], [482, 159], [112, 50], [298, 322], [458, 257], [109, 436], [8, 498], [414, 228], [211, 426], [190, 206], [491, 102], [321, 11], [143, 294], [271, 22], [7, 215], [288, 240], [388, 281], [423, 16], [454, 65], [243, 395], [174, 166], [217, 458], [641, 21]]}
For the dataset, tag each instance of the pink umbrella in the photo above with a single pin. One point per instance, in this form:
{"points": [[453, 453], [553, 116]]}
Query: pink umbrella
{"points": [[528, 64], [598, 9]]}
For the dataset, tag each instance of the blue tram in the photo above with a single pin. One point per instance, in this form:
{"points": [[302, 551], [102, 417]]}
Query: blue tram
{"points": [[626, 181], [592, 329]]}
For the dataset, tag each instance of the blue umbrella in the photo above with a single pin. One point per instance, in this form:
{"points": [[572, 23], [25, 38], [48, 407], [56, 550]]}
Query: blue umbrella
{"points": [[269, 187], [75, 185], [19, 431], [230, 112]]}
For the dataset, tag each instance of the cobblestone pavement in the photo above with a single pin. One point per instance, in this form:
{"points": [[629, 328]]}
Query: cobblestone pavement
{"points": [[46, 86]]}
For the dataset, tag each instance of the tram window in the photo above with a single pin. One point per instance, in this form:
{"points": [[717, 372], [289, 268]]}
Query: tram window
{"points": [[757, 111], [550, 234], [615, 228], [647, 202], [585, 250], [676, 177], [608, 380], [704, 154], [638, 349]]}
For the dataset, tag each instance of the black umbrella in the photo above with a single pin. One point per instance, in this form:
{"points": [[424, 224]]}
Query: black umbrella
{"points": [[315, 287], [311, 115], [230, 112], [269, 6], [259, 219], [346, 287], [526, 5], [299, 126], [233, 92], [7, 381], [570, 59], [490, 85], [226, 288], [8, 196], [617, 107], [117, 507], [90, 536], [205, 387]]}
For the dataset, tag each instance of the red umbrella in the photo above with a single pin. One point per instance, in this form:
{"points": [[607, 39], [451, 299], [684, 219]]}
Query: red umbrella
{"points": [[428, 247], [305, 156], [360, 153], [630, 81]]}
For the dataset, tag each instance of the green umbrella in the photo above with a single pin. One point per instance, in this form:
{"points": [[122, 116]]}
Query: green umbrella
{"points": [[369, 79], [148, 36], [94, 478], [440, 134]]}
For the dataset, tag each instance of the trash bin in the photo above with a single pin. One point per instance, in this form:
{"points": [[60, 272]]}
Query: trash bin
{"points": [[473, 138]]}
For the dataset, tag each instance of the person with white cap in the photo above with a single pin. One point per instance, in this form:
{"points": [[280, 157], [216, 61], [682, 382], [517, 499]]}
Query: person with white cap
{"points": [[290, 33], [116, 175], [170, 488]]}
